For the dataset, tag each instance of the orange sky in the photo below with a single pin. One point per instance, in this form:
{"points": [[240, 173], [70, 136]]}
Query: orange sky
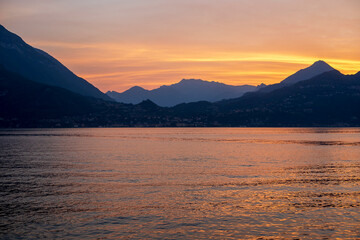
{"points": [[118, 44]]}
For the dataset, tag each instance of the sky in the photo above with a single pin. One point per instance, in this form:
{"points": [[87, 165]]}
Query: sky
{"points": [[117, 44]]}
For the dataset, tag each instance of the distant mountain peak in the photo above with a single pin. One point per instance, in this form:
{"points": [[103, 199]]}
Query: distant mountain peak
{"points": [[261, 85], [321, 64], [132, 90], [313, 70], [137, 88], [191, 80]]}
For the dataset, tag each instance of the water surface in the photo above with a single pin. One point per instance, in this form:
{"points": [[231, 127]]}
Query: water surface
{"points": [[180, 183]]}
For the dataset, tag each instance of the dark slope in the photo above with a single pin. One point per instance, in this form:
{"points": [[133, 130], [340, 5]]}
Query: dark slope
{"points": [[25, 103], [22, 98], [36, 65]]}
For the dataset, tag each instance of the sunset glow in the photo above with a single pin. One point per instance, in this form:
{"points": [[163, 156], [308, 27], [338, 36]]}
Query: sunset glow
{"points": [[119, 44], [180, 119]]}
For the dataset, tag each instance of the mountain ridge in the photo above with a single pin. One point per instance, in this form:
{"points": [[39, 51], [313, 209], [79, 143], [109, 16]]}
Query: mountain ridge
{"points": [[316, 68], [186, 90], [311, 71], [314, 96], [35, 64], [329, 99]]}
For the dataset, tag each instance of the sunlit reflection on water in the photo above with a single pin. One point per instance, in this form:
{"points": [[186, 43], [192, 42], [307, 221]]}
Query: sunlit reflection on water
{"points": [[180, 183]]}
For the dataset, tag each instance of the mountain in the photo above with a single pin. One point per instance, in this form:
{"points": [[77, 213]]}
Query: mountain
{"points": [[328, 99], [187, 90], [25, 103], [38, 91], [135, 94], [315, 69], [193, 90], [20, 97], [36, 65]]}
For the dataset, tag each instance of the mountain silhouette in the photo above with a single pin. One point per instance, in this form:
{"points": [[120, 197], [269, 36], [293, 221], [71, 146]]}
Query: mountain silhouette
{"points": [[36, 65], [23, 98], [38, 91], [315, 69], [185, 91], [328, 99], [25, 103]]}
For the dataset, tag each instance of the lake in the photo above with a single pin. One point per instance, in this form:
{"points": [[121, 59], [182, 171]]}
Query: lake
{"points": [[180, 183]]}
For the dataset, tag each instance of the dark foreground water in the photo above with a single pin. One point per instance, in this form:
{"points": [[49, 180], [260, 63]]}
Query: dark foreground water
{"points": [[217, 183]]}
